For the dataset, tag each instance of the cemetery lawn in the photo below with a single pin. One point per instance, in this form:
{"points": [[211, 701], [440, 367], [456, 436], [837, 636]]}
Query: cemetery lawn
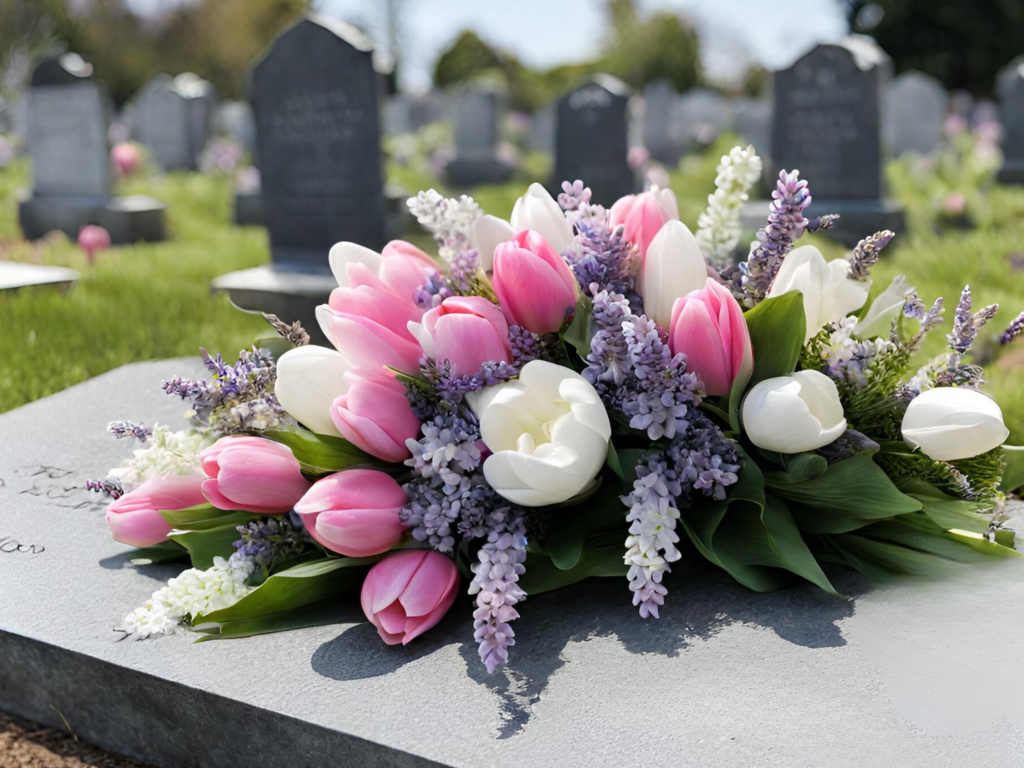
{"points": [[152, 301]]}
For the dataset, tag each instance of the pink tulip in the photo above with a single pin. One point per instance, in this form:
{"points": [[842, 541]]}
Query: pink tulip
{"points": [[135, 517], [406, 268], [355, 512], [643, 215], [252, 474], [467, 331], [93, 238], [127, 158], [708, 327], [366, 343], [407, 593], [375, 414], [535, 286]]}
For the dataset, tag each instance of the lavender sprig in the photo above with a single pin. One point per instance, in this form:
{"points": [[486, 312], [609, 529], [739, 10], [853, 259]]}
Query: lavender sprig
{"points": [[602, 257], [865, 255], [1013, 330], [271, 540], [786, 222], [120, 429], [821, 223], [967, 324], [294, 334], [573, 195]]}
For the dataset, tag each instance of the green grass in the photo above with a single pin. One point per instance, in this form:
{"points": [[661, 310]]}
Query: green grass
{"points": [[153, 301]]}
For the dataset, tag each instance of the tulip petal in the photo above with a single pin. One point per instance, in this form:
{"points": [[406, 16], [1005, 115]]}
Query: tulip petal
{"points": [[343, 254], [389, 577]]}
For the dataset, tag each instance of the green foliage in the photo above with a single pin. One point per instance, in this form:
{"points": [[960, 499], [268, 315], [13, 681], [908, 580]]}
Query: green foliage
{"points": [[468, 58], [324, 454]]}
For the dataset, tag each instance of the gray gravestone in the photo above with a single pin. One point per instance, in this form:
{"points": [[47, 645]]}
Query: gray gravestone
{"points": [[203, 102], [66, 131], [916, 105], [752, 121], [314, 94], [925, 668], [1011, 104], [426, 109], [15, 276], [477, 118], [591, 139], [235, 119], [395, 115], [542, 130], [827, 124], [174, 118], [698, 117], [660, 99]]}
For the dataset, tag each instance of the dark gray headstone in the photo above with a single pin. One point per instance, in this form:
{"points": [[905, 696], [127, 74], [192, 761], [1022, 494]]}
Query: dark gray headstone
{"points": [[314, 94], [660, 98], [426, 109], [203, 102], [62, 69], [591, 139], [916, 105], [477, 119], [796, 677], [1011, 103], [827, 124]]}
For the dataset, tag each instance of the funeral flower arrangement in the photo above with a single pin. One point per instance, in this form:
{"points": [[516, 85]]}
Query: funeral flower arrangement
{"points": [[577, 392]]}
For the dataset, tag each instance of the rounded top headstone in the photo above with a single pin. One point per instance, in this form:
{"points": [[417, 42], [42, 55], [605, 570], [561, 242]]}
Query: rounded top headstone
{"points": [[63, 69]]}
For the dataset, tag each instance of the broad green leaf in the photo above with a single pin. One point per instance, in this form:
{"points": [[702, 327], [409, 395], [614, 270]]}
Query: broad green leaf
{"points": [[784, 538], [944, 510], [205, 516], [325, 612], [542, 575], [881, 560], [613, 462], [296, 587], [1013, 473], [324, 454], [797, 468], [579, 332], [850, 494], [207, 544], [918, 532]]}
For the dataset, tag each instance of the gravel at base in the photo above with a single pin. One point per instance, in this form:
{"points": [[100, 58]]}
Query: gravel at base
{"points": [[27, 745]]}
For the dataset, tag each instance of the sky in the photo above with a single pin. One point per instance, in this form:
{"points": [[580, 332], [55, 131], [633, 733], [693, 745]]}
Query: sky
{"points": [[544, 33]]}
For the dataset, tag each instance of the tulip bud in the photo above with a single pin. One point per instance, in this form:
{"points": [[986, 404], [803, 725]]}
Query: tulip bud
{"points": [[534, 285], [354, 512], [467, 331], [375, 415], [407, 593], [792, 414], [950, 423], [406, 268], [309, 380], [644, 215], [367, 343], [135, 518], [548, 432], [708, 327], [883, 310], [672, 268], [828, 293], [488, 233], [538, 211], [252, 474]]}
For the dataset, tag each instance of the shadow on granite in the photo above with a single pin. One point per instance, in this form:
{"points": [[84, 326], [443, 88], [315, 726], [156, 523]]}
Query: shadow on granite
{"points": [[802, 615]]}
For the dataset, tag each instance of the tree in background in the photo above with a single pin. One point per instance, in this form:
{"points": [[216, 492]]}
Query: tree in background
{"points": [[963, 43], [663, 46], [216, 39]]}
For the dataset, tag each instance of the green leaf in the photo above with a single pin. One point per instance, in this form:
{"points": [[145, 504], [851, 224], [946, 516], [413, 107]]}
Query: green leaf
{"points": [[294, 588], [785, 540], [325, 612], [1013, 472], [944, 510], [207, 544], [796, 467], [324, 454], [542, 575], [579, 332], [204, 517], [919, 533], [614, 463], [850, 494], [881, 560], [164, 552]]}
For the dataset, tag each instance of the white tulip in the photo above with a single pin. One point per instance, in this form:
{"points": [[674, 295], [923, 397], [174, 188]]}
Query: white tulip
{"points": [[309, 378], [488, 233], [883, 310], [537, 210], [829, 294], [343, 254], [950, 423], [548, 432], [673, 267], [791, 414]]}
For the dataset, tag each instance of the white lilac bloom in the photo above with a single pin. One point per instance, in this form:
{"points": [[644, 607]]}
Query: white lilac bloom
{"points": [[190, 594], [166, 453], [718, 227], [548, 432]]}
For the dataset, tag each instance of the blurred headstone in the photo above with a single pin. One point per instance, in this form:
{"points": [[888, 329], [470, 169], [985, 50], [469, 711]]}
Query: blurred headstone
{"points": [[662, 142], [6, 116], [235, 119], [915, 107], [542, 130], [752, 121], [827, 124], [396, 115], [66, 131], [477, 118], [203, 102], [314, 95], [1011, 103], [426, 109], [698, 117], [591, 139], [173, 116], [961, 103]]}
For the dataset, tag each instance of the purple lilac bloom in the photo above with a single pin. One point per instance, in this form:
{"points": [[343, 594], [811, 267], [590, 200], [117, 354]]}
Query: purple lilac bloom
{"points": [[603, 258], [967, 324], [847, 445], [433, 292], [865, 255], [526, 345], [121, 429], [786, 222], [495, 584], [573, 195], [111, 486], [1013, 330], [704, 458], [270, 540], [651, 544], [464, 266]]}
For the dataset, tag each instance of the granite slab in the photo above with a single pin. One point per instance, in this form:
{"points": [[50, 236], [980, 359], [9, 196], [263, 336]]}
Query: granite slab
{"points": [[907, 674], [15, 275]]}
